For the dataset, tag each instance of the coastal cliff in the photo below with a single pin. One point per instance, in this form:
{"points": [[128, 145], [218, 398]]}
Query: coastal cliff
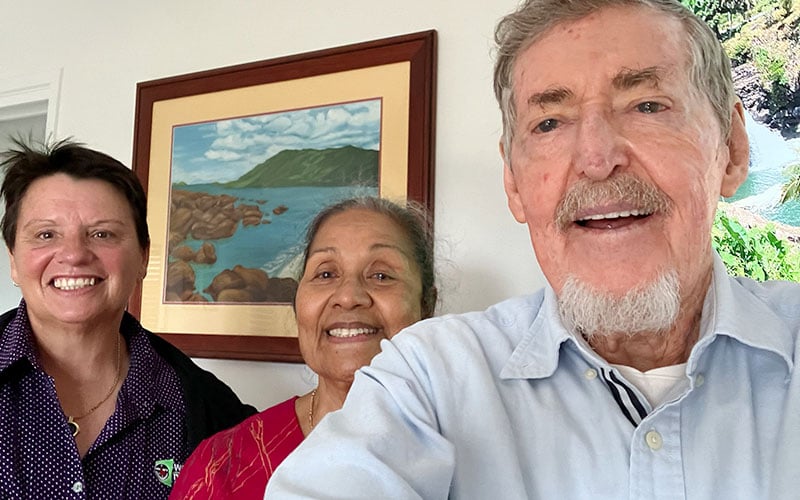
{"points": [[762, 40]]}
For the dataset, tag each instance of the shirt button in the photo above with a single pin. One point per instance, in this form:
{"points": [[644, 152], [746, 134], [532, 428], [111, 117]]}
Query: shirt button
{"points": [[590, 374], [77, 487], [653, 440], [699, 380]]}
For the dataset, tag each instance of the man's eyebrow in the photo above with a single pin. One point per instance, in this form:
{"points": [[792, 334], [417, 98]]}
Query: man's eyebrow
{"points": [[626, 79], [555, 95], [629, 78]]}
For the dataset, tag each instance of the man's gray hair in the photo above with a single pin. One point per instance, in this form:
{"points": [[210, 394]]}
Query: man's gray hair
{"points": [[709, 66]]}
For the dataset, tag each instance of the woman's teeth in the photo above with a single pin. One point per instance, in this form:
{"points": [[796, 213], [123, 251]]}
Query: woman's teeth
{"points": [[72, 283], [350, 332]]}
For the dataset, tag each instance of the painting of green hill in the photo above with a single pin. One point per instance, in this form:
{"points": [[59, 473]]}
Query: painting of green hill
{"points": [[345, 166]]}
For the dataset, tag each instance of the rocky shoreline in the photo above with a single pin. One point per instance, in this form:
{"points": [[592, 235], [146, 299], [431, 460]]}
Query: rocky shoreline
{"points": [[763, 105], [204, 216]]}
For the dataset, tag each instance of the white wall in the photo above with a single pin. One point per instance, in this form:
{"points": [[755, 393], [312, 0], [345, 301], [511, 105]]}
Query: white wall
{"points": [[106, 47], [29, 126]]}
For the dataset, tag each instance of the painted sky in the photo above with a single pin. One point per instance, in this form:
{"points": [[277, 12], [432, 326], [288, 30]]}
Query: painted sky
{"points": [[224, 150]]}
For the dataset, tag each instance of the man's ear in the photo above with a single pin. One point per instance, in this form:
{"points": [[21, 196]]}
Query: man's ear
{"points": [[738, 153], [510, 184]]}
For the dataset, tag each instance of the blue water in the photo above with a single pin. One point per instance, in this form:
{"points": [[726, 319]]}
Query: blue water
{"points": [[770, 154], [274, 247]]}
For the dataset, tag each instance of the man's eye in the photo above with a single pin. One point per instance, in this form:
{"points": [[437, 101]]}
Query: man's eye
{"points": [[45, 235], [546, 126], [380, 276], [326, 275], [101, 234], [650, 107]]}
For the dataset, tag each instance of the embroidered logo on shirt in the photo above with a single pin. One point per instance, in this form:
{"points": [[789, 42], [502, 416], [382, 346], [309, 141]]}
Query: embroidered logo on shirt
{"points": [[167, 471]]}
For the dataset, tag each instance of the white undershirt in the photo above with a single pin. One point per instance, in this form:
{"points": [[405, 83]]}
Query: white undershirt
{"points": [[657, 383]]}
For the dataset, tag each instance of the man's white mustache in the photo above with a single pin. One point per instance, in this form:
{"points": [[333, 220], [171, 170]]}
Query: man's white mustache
{"points": [[643, 197]]}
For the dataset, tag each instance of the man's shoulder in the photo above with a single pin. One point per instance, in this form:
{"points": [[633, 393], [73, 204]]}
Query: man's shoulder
{"points": [[764, 313], [492, 333], [509, 313], [782, 297]]}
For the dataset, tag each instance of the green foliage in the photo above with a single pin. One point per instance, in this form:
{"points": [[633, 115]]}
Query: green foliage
{"points": [[707, 9], [739, 48], [723, 16], [771, 67], [344, 166], [791, 190], [756, 253]]}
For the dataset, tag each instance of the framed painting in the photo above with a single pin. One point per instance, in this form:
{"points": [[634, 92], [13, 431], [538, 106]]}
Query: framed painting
{"points": [[236, 162]]}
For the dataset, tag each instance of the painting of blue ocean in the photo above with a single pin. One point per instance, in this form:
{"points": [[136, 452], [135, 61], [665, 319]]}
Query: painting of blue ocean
{"points": [[244, 191]]}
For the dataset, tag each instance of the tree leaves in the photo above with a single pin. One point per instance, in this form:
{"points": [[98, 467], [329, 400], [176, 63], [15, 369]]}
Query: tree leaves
{"points": [[754, 252]]}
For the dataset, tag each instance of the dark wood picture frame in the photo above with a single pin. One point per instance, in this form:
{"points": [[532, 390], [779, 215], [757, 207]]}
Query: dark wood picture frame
{"points": [[417, 49]]}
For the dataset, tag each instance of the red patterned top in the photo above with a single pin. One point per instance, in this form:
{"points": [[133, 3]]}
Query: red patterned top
{"points": [[239, 461]]}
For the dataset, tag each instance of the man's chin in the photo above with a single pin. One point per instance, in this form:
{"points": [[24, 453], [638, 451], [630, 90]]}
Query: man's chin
{"points": [[649, 307]]}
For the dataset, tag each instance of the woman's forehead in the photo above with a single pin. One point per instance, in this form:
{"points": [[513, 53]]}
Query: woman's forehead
{"points": [[360, 227]]}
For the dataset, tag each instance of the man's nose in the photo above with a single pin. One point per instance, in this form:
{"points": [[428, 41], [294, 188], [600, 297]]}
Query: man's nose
{"points": [[600, 147]]}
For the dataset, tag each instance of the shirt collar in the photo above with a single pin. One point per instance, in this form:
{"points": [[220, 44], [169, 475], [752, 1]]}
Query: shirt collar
{"points": [[728, 309], [146, 373], [738, 308], [536, 356]]}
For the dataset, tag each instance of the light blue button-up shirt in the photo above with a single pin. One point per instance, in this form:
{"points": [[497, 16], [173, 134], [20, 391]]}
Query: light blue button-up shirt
{"points": [[507, 404]]}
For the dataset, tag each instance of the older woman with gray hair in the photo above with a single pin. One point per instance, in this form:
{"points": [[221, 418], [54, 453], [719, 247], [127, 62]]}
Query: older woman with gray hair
{"points": [[367, 274]]}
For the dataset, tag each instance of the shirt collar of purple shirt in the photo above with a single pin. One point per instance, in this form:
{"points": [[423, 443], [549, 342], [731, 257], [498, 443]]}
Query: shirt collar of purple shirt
{"points": [[16, 345]]}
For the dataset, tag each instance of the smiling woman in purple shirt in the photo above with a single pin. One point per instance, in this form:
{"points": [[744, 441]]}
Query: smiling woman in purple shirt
{"points": [[92, 405]]}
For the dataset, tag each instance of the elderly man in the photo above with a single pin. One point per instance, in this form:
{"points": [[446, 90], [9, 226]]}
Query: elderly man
{"points": [[642, 370]]}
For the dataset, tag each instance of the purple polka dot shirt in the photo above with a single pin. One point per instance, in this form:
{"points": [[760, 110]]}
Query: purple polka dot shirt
{"points": [[143, 439]]}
